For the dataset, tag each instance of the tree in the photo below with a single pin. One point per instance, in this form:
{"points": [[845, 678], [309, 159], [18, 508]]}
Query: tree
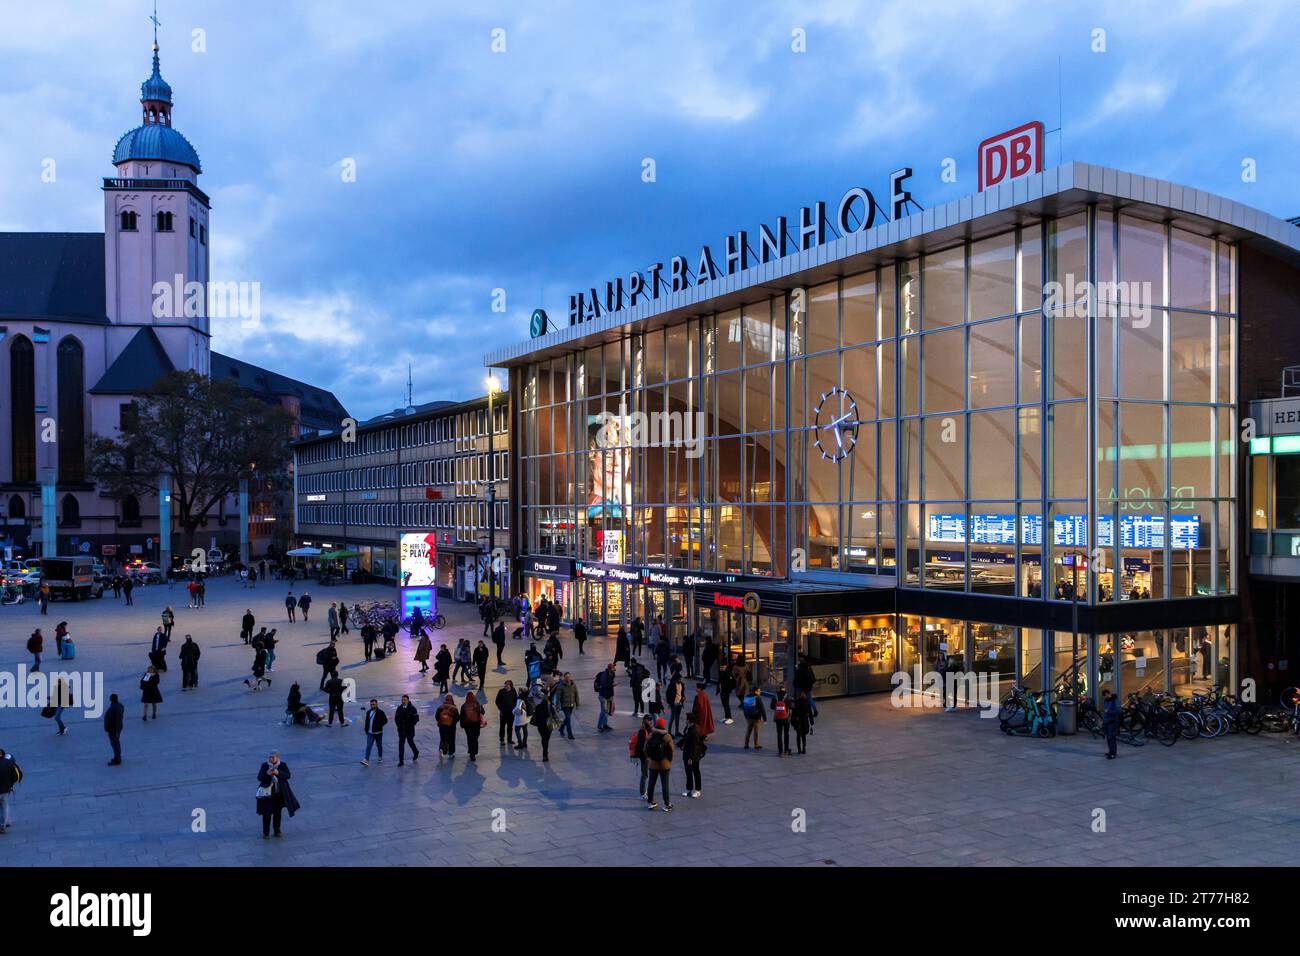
{"points": [[204, 434]]}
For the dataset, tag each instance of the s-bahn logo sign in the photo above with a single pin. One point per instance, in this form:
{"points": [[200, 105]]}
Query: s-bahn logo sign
{"points": [[855, 212]]}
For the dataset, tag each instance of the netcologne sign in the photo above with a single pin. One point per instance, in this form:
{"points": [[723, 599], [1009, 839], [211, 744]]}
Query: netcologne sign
{"points": [[855, 212]]}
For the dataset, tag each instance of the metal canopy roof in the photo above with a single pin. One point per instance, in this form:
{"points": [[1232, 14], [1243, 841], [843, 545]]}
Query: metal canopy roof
{"points": [[1058, 191]]}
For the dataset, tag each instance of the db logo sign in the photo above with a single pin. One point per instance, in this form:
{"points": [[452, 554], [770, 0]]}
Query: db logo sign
{"points": [[1011, 155]]}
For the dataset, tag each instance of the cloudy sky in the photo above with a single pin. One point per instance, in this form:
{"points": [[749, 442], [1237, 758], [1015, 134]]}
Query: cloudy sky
{"points": [[521, 169]]}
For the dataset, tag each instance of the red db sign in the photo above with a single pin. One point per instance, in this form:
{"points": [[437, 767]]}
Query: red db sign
{"points": [[1011, 155]]}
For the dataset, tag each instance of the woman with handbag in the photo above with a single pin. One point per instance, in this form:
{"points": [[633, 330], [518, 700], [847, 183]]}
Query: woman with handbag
{"points": [[274, 794], [150, 694]]}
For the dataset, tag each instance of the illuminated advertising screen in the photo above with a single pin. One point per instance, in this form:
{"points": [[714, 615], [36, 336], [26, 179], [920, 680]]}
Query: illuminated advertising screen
{"points": [[608, 480], [417, 567]]}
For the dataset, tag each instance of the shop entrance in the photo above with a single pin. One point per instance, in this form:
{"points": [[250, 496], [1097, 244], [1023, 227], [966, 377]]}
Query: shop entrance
{"points": [[759, 642]]}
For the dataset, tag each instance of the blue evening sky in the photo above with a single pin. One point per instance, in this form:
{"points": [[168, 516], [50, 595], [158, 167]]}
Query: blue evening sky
{"points": [[521, 170]]}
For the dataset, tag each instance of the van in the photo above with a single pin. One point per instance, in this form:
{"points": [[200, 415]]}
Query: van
{"points": [[71, 577]]}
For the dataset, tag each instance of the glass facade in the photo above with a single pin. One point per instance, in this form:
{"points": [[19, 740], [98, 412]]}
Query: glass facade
{"points": [[1046, 414]]}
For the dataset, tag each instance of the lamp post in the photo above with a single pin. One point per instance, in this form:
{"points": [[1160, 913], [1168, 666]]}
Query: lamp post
{"points": [[492, 388]]}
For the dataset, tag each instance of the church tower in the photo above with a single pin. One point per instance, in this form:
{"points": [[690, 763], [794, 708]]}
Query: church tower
{"points": [[156, 239]]}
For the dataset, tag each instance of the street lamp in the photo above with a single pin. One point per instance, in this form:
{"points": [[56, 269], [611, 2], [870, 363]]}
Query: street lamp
{"points": [[493, 386]]}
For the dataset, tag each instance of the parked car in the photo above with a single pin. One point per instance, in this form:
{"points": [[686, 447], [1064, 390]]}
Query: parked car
{"points": [[145, 572]]}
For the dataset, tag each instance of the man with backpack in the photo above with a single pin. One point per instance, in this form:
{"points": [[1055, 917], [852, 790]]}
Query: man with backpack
{"points": [[693, 751], [781, 717], [604, 687], [328, 659], [659, 757], [755, 715], [10, 775], [636, 750]]}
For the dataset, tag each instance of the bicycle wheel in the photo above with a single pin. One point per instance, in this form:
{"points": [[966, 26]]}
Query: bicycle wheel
{"points": [[1188, 725], [1212, 725], [1010, 707], [439, 622], [1249, 722]]}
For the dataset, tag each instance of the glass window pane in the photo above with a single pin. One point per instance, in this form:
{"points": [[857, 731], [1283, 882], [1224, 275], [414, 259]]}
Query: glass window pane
{"points": [[1141, 257], [1070, 356], [1190, 451], [758, 399], [1141, 453], [1069, 434], [992, 277], [653, 356], [1191, 263], [1191, 357], [726, 342], [823, 317], [992, 364], [859, 377], [1031, 358], [1031, 268], [944, 288], [1069, 255], [945, 457], [909, 297], [1031, 453], [858, 309], [944, 366], [992, 447], [1141, 357], [887, 302]]}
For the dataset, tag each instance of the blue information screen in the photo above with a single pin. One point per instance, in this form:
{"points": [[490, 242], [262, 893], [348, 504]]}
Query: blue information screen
{"points": [[1071, 531]]}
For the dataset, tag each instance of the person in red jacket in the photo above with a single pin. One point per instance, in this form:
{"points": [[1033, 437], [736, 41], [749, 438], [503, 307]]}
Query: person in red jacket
{"points": [[702, 711]]}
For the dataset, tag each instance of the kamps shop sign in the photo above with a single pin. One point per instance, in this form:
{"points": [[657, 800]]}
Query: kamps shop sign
{"points": [[855, 212], [1001, 158]]}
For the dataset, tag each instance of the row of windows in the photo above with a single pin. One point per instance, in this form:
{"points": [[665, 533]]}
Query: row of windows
{"points": [[163, 222], [464, 429], [465, 515], [71, 409], [465, 469]]}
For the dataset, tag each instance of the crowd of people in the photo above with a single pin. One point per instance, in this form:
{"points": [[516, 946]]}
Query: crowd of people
{"points": [[669, 697]]}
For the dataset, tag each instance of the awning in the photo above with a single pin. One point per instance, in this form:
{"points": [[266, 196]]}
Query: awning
{"points": [[338, 555], [303, 552]]}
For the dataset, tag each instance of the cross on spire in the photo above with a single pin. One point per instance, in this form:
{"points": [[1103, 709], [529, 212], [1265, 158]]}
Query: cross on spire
{"points": [[154, 20]]}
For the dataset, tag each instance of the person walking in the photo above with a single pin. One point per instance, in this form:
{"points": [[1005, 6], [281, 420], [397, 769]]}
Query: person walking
{"points": [[622, 650], [638, 636], [688, 653], [158, 651], [246, 625], [269, 641], [726, 684], [702, 711], [676, 702], [447, 717], [291, 606], [1110, 721], [805, 678], [61, 699], [693, 749], [274, 795], [941, 668], [603, 686], [405, 717], [472, 721], [10, 776], [422, 651], [127, 587], [464, 659], [567, 696], [580, 634], [368, 636], [117, 586], [332, 618], [499, 639], [505, 703], [168, 621], [781, 718], [251, 578], [189, 655], [328, 659], [522, 712], [741, 674], [755, 716], [258, 668], [334, 689], [150, 694], [541, 719], [708, 657], [343, 617], [114, 719], [636, 751], [659, 756], [442, 668], [481, 655], [375, 719], [43, 598], [193, 589], [36, 647], [801, 721], [304, 605]]}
